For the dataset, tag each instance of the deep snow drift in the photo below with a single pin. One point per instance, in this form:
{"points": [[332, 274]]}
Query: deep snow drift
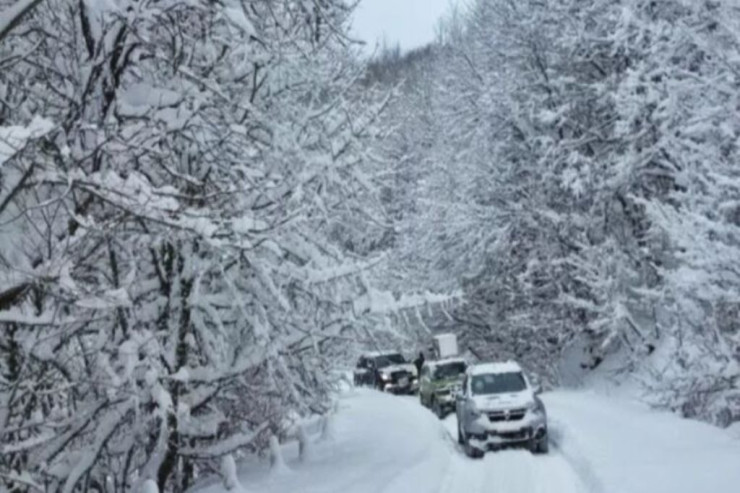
{"points": [[387, 444]]}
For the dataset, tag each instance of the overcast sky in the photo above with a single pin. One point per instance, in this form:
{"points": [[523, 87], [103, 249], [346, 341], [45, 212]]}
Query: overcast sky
{"points": [[409, 22]]}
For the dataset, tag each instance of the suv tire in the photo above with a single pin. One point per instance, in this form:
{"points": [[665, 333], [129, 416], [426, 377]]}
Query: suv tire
{"points": [[473, 452], [470, 451], [437, 409], [541, 446]]}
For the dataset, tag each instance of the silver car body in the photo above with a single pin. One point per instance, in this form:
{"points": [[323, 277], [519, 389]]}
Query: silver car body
{"points": [[489, 420]]}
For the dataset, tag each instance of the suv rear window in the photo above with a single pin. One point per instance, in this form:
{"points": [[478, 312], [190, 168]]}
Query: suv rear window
{"points": [[449, 370], [497, 383]]}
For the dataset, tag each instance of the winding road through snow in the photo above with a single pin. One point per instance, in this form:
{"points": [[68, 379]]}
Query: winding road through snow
{"points": [[387, 444]]}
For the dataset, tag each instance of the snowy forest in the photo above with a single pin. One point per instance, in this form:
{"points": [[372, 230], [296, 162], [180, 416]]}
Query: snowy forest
{"points": [[207, 207]]}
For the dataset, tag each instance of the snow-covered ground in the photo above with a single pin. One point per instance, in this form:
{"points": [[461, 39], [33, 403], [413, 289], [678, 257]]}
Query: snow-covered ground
{"points": [[386, 444]]}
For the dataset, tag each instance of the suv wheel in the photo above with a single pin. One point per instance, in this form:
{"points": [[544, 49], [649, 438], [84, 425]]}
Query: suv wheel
{"points": [[470, 451], [438, 409], [541, 446], [473, 452]]}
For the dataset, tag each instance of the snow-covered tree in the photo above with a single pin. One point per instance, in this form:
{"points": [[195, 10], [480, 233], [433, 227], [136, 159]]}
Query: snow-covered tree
{"points": [[679, 122], [172, 276], [578, 185]]}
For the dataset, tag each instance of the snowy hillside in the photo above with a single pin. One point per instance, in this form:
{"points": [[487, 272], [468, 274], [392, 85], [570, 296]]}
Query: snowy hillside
{"points": [[387, 444]]}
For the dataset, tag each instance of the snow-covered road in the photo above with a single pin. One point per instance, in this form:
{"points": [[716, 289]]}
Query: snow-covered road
{"points": [[387, 444], [512, 471]]}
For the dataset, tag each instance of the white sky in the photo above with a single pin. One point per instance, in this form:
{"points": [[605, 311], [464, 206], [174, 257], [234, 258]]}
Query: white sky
{"points": [[409, 22]]}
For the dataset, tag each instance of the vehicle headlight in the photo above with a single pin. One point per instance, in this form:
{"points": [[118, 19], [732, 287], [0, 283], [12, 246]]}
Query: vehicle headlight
{"points": [[385, 376]]}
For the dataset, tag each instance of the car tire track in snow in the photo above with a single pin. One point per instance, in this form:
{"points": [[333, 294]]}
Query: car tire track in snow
{"points": [[461, 477], [510, 471], [577, 462]]}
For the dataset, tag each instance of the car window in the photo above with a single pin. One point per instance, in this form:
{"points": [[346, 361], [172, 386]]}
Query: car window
{"points": [[497, 383], [361, 363], [449, 370], [388, 360]]}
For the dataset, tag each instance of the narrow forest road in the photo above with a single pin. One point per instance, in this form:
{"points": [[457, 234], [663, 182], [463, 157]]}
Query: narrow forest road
{"points": [[387, 444]]}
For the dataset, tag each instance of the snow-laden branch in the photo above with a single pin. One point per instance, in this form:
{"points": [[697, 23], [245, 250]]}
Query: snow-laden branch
{"points": [[13, 138], [383, 302], [227, 446], [11, 16], [24, 480]]}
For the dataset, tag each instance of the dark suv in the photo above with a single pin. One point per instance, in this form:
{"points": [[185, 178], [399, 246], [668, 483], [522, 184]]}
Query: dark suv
{"points": [[387, 371]]}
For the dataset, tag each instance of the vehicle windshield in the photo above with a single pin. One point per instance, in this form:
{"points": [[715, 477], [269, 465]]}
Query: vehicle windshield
{"points": [[448, 370], [388, 360], [497, 383]]}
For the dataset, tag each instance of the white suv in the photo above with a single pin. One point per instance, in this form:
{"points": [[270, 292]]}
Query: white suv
{"points": [[498, 407]]}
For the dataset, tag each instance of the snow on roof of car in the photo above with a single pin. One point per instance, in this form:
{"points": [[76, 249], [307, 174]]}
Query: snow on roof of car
{"points": [[375, 354], [503, 367], [445, 361]]}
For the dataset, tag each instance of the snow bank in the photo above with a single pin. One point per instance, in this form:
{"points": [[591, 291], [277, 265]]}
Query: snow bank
{"points": [[381, 443], [228, 471], [618, 446]]}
